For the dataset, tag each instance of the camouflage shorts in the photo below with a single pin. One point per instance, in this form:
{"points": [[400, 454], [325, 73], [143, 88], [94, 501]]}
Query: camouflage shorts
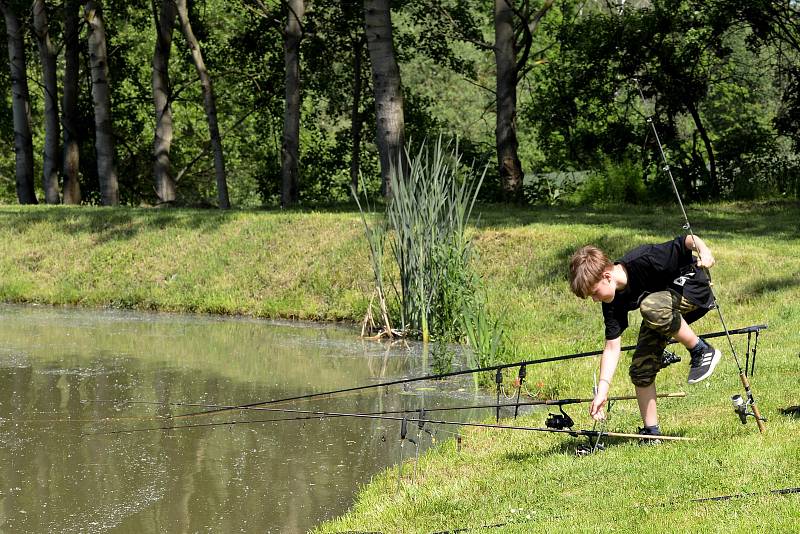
{"points": [[661, 318]]}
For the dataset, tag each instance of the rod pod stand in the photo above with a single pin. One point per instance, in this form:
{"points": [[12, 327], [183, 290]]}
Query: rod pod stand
{"points": [[498, 379], [420, 426], [521, 378], [403, 438]]}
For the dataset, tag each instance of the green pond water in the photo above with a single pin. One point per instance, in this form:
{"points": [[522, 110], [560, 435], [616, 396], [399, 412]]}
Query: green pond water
{"points": [[67, 379]]}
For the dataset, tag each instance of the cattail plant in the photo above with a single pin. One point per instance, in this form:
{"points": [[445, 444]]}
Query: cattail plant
{"points": [[428, 214], [441, 296], [375, 231]]}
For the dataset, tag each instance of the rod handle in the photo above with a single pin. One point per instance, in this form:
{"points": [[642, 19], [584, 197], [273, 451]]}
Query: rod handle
{"points": [[756, 412], [759, 421]]}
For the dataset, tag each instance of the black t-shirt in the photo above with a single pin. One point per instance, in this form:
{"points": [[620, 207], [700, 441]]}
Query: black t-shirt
{"points": [[653, 268]]}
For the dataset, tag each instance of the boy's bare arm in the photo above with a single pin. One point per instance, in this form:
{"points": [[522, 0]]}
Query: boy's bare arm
{"points": [[608, 365], [705, 257]]}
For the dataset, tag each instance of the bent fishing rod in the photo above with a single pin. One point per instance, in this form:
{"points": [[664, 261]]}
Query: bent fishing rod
{"points": [[498, 367], [419, 420], [740, 405]]}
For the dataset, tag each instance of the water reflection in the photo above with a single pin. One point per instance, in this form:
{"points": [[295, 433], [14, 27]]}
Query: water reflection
{"points": [[63, 371]]}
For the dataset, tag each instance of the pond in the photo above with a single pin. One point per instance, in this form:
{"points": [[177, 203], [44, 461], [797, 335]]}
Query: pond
{"points": [[71, 380]]}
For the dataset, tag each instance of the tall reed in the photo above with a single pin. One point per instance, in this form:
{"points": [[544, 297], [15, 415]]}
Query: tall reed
{"points": [[375, 230], [428, 215], [441, 296]]}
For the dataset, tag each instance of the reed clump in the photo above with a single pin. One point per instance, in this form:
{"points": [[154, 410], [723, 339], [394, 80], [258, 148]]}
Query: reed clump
{"points": [[440, 295]]}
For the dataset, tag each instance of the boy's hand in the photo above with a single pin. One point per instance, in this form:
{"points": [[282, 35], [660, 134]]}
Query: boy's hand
{"points": [[706, 259], [596, 409]]}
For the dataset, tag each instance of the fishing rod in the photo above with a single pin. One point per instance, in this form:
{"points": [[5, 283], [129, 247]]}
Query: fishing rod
{"points": [[543, 402], [322, 415], [745, 330], [740, 405]]}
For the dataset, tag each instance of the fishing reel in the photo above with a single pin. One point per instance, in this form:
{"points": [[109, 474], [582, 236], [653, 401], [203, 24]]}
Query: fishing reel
{"points": [[559, 421], [668, 358], [741, 408]]}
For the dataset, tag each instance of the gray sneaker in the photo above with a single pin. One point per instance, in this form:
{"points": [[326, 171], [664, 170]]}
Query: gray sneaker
{"points": [[648, 432], [704, 360]]}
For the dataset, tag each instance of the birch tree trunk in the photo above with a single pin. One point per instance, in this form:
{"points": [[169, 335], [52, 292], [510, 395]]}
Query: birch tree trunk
{"points": [[21, 107], [506, 142], [390, 123], [208, 102], [162, 96], [290, 149], [101, 97], [69, 119], [47, 55]]}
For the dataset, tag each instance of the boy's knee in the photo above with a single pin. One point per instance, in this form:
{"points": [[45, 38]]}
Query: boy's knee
{"points": [[642, 379], [659, 313], [643, 369]]}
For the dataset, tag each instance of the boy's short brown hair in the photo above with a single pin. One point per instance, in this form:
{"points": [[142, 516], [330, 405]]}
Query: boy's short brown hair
{"points": [[586, 269]]}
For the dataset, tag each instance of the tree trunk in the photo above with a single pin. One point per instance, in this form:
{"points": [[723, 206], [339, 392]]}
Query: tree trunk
{"points": [[21, 107], [72, 188], [356, 118], [389, 120], [506, 127], [47, 55], [101, 97], [162, 96], [208, 103], [713, 183], [290, 149]]}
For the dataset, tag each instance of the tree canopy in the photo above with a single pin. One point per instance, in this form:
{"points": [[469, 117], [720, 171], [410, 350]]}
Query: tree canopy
{"points": [[720, 78]]}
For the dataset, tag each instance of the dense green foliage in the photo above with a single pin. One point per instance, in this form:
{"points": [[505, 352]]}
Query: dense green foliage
{"points": [[721, 79]]}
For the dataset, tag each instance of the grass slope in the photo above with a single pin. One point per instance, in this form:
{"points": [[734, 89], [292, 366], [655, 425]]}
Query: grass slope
{"points": [[314, 265]]}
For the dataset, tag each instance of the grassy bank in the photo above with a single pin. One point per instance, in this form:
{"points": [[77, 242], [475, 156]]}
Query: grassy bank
{"points": [[315, 265], [291, 265]]}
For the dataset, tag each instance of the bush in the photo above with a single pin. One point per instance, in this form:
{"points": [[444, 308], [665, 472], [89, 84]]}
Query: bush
{"points": [[551, 188], [615, 182]]}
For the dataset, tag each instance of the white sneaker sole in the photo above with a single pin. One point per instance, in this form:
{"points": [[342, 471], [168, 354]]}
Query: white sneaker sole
{"points": [[714, 361]]}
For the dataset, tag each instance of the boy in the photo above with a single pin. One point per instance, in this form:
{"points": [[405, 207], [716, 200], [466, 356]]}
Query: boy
{"points": [[670, 289]]}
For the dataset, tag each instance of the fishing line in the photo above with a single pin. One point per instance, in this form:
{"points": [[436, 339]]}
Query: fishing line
{"points": [[751, 401], [447, 375]]}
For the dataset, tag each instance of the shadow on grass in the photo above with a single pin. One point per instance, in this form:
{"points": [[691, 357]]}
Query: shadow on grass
{"points": [[111, 224], [568, 446], [583, 446], [769, 285], [792, 412], [777, 219]]}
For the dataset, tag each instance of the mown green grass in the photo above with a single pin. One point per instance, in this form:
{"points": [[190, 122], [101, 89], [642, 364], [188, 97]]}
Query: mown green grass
{"points": [[292, 265], [316, 266]]}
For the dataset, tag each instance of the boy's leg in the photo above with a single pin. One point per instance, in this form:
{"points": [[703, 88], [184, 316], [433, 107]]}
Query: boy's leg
{"points": [[686, 336], [646, 397], [645, 364], [663, 312]]}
